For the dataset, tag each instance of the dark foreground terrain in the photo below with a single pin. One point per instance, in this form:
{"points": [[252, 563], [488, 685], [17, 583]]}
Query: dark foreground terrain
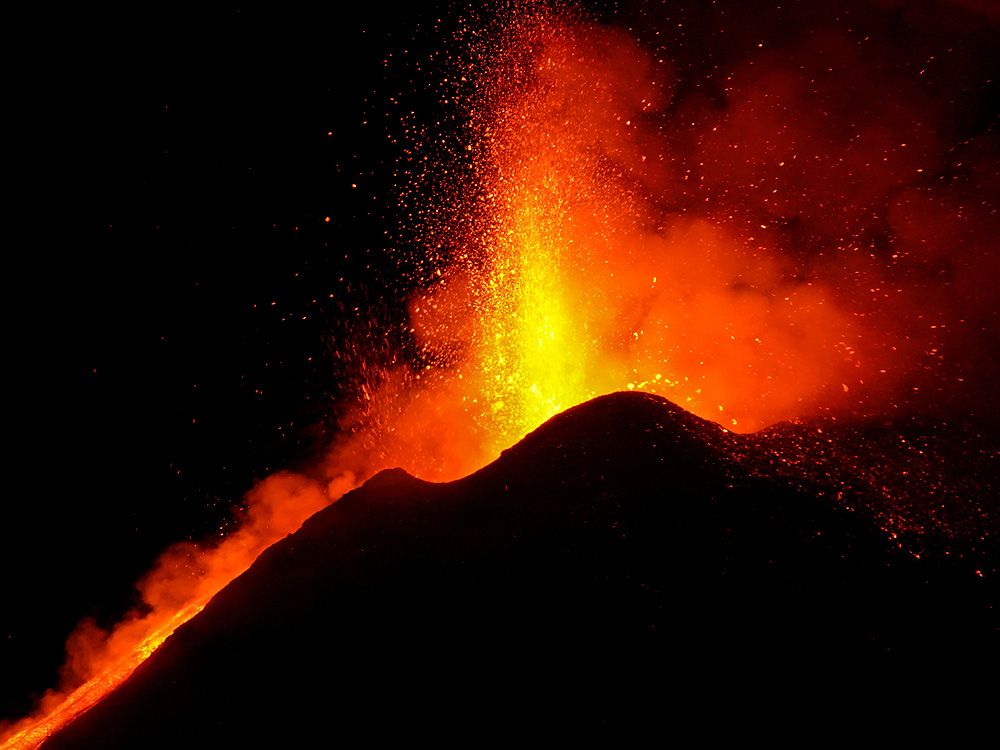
{"points": [[627, 565]]}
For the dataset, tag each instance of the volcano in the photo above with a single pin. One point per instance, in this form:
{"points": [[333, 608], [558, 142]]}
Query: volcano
{"points": [[621, 551]]}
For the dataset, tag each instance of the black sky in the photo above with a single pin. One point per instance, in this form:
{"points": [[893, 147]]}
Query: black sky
{"points": [[175, 290]]}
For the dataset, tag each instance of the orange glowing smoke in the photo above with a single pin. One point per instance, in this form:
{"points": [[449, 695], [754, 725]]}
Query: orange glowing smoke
{"points": [[591, 288], [782, 254], [807, 246]]}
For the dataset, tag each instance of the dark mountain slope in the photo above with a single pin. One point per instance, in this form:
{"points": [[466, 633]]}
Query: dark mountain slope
{"points": [[623, 553]]}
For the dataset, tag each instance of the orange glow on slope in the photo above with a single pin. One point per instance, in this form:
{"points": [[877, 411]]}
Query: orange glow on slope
{"points": [[184, 580], [78, 701]]}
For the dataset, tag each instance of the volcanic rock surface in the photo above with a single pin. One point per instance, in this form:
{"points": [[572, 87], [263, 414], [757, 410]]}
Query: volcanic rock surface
{"points": [[623, 551]]}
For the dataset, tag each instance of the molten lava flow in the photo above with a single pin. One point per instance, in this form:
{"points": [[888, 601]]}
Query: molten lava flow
{"points": [[763, 236], [67, 707], [185, 578]]}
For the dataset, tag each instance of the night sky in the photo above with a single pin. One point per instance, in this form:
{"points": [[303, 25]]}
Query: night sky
{"points": [[178, 293]]}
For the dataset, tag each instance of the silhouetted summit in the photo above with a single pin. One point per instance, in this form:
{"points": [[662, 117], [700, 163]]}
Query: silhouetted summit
{"points": [[622, 555]]}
